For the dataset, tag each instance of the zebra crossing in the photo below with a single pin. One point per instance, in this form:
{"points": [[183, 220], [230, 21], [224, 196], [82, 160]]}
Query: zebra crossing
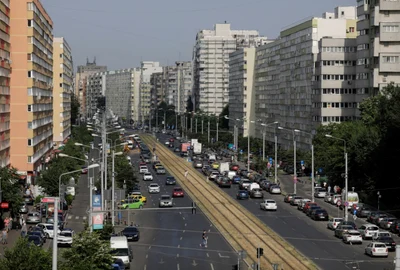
{"points": [[72, 217]]}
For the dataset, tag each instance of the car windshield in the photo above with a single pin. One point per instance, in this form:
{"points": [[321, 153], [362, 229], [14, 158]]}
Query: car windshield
{"points": [[49, 227], [170, 178], [270, 201], [373, 228], [385, 238], [380, 245], [354, 233], [178, 189], [165, 197], [34, 238], [130, 229], [66, 234], [153, 185], [120, 252], [33, 214]]}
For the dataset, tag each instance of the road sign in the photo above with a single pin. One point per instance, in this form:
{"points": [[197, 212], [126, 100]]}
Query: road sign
{"points": [[339, 203], [302, 162], [346, 204]]}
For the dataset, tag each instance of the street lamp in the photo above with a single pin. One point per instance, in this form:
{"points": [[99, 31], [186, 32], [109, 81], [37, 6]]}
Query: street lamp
{"points": [[113, 154], [346, 174], [379, 198], [294, 156]]}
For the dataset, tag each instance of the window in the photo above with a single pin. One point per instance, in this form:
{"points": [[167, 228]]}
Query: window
{"points": [[29, 108], [30, 23], [29, 142], [29, 57], [390, 59], [61, 85], [61, 55], [351, 29], [29, 74], [29, 159], [386, 12], [390, 28], [61, 75], [342, 13]]}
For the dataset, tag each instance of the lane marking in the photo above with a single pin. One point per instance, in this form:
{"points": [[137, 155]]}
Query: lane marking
{"points": [[222, 256], [145, 267], [149, 247], [208, 255], [184, 231], [69, 217], [179, 246], [177, 255], [185, 224], [183, 218], [181, 238], [212, 266], [147, 255], [177, 266], [77, 217], [84, 217]]}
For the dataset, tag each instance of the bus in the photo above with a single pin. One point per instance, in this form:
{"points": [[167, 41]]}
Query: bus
{"points": [[352, 198]]}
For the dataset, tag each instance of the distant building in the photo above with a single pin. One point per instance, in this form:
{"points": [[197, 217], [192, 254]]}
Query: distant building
{"points": [[157, 84], [211, 64], [307, 76], [62, 89], [81, 81]]}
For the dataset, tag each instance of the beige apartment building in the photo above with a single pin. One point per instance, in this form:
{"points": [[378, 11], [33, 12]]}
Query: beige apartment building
{"points": [[5, 70], [31, 86], [62, 89]]}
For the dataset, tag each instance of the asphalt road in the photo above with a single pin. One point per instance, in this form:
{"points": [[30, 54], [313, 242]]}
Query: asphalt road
{"points": [[170, 239], [310, 237]]}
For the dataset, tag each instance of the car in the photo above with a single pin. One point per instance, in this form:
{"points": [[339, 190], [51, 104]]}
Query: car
{"points": [[244, 184], [319, 214], [160, 170], [177, 192], [328, 197], [138, 197], [170, 180], [165, 201], [213, 175], [131, 233], [23, 209], [387, 239], [289, 197], [147, 176], [131, 204], [342, 229], [205, 169], [302, 203], [268, 204], [295, 201], [154, 188], [35, 240], [197, 164], [242, 195], [275, 189], [177, 150], [143, 169], [48, 229], [39, 234], [368, 230], [320, 193], [386, 222], [333, 223], [66, 237], [234, 167], [353, 237], [224, 181], [376, 249], [236, 179], [70, 191], [28, 199], [167, 143], [33, 217], [256, 193]]}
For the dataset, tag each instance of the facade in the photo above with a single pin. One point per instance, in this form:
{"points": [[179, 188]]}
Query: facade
{"points": [[5, 70], [241, 90], [135, 95], [378, 45], [157, 81], [62, 89], [95, 87], [211, 64], [292, 74], [81, 82], [31, 86]]}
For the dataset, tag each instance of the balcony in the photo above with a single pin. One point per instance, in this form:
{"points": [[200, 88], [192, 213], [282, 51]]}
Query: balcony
{"points": [[37, 139], [41, 152], [41, 122], [4, 144], [389, 5]]}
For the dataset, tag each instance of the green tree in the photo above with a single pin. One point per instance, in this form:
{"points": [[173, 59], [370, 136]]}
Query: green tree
{"points": [[82, 135], [75, 107], [25, 256], [88, 252], [11, 189]]}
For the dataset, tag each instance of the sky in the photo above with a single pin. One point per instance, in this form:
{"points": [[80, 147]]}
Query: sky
{"points": [[129, 31]]}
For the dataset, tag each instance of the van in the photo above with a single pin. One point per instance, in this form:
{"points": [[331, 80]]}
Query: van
{"points": [[120, 249], [230, 174], [253, 186]]}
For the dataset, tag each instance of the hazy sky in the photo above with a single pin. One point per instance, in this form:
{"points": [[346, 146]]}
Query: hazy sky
{"points": [[121, 33]]}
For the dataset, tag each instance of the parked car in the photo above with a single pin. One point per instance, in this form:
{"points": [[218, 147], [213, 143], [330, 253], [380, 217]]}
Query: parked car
{"points": [[333, 223], [33, 217], [368, 230], [342, 229], [275, 189], [48, 229], [394, 228], [295, 200], [23, 209], [376, 249], [268, 204], [319, 214], [386, 222], [289, 197], [66, 237], [388, 240], [35, 240], [353, 237], [302, 203], [170, 180]]}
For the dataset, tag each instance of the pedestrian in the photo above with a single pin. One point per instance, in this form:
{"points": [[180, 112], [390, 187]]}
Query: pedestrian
{"points": [[204, 239], [186, 174], [24, 230], [6, 222], [4, 237], [329, 189], [10, 222]]}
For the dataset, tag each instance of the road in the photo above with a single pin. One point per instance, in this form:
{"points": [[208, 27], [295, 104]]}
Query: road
{"points": [[170, 239], [311, 238]]}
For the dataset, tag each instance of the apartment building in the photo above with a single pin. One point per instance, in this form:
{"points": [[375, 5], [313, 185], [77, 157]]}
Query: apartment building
{"points": [[241, 94], [307, 77], [157, 81], [135, 95], [31, 86], [62, 89], [211, 64], [378, 45], [83, 71], [5, 70], [95, 87]]}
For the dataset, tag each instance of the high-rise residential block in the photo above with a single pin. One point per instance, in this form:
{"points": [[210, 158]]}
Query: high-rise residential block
{"points": [[378, 45], [307, 76], [5, 70], [241, 91], [95, 87], [82, 73], [211, 64], [31, 86], [157, 84], [62, 89]]}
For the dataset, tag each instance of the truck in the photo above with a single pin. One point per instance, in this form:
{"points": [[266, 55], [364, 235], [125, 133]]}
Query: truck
{"points": [[197, 148], [194, 141], [184, 148], [224, 167]]}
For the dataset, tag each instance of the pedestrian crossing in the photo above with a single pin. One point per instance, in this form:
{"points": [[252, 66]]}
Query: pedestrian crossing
{"points": [[72, 217]]}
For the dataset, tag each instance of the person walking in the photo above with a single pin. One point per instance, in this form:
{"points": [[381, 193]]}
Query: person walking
{"points": [[204, 239], [24, 230], [4, 237], [186, 174], [6, 222], [10, 222]]}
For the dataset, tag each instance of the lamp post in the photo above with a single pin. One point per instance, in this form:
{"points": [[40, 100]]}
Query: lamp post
{"points": [[55, 235], [202, 124], [346, 174], [379, 198], [265, 125], [312, 165], [294, 156], [113, 154]]}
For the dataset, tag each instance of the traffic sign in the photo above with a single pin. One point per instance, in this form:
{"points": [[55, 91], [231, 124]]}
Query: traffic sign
{"points": [[346, 203], [339, 203], [302, 162]]}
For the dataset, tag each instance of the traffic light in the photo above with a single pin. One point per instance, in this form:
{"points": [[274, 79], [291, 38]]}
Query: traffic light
{"points": [[260, 252], [235, 267]]}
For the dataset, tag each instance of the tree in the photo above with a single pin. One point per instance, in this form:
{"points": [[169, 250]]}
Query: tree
{"points": [[75, 108], [25, 256], [81, 134], [88, 252], [11, 189]]}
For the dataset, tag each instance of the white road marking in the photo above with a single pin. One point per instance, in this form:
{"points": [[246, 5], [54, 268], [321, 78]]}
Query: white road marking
{"points": [[180, 213], [183, 218], [185, 224], [84, 217], [177, 266], [212, 266], [181, 238], [179, 246], [183, 231], [177, 255], [284, 222], [145, 267], [69, 217], [222, 256], [154, 238], [147, 255], [208, 255], [77, 217], [149, 247]]}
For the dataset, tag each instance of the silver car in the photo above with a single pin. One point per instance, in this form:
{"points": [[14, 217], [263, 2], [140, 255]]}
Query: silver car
{"points": [[33, 217], [165, 201], [256, 193]]}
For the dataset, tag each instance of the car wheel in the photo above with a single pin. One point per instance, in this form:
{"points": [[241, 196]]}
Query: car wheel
{"points": [[47, 235]]}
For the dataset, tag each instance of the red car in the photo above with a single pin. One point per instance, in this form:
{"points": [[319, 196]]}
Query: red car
{"points": [[234, 167], [178, 192]]}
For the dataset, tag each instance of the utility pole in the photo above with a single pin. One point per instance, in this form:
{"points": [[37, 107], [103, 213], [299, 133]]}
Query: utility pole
{"points": [[263, 136], [191, 124], [55, 235], [294, 165], [176, 124], [276, 156], [208, 130], [202, 125], [103, 151], [217, 130], [397, 258], [91, 203], [113, 188], [196, 125], [165, 120], [346, 213], [312, 172], [157, 119]]}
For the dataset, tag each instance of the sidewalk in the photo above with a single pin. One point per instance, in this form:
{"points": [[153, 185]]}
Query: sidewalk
{"points": [[12, 237]]}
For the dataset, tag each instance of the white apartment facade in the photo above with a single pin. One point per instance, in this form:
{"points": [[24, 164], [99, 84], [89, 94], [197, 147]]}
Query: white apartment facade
{"points": [[292, 74], [178, 84], [211, 64], [241, 94]]}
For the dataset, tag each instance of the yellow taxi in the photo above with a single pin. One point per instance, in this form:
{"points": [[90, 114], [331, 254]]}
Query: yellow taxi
{"points": [[138, 197], [215, 165]]}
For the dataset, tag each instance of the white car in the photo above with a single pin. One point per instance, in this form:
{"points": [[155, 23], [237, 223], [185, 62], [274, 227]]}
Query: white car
{"points": [[368, 230], [143, 169], [268, 204], [65, 238], [320, 193], [147, 176], [353, 237], [70, 191], [275, 190], [377, 249], [154, 188], [48, 229], [333, 223]]}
